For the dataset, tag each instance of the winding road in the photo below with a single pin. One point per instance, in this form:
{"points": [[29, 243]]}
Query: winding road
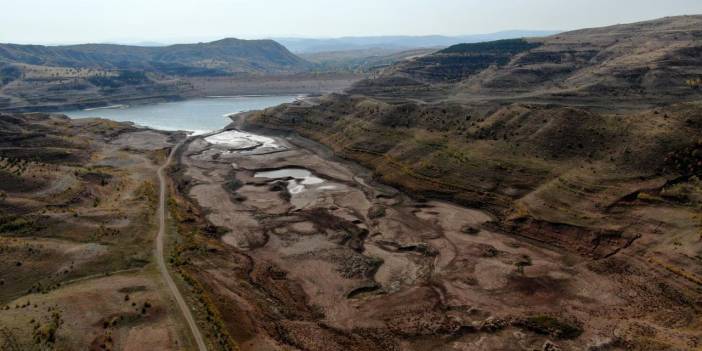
{"points": [[161, 260]]}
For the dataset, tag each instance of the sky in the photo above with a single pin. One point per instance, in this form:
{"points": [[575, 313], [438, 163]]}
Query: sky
{"points": [[169, 21]]}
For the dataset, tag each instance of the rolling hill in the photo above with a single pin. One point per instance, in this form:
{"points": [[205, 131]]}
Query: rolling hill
{"points": [[55, 78], [362, 60], [398, 42], [647, 60], [226, 56]]}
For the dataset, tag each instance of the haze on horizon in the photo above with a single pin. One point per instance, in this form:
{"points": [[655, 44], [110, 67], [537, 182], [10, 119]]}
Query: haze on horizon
{"points": [[170, 21]]}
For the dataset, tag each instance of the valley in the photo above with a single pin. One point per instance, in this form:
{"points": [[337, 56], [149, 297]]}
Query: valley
{"points": [[585, 155], [533, 193], [363, 266]]}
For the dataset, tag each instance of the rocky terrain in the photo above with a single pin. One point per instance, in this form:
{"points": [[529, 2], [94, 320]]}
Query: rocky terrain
{"points": [[586, 143], [654, 62], [297, 249]]}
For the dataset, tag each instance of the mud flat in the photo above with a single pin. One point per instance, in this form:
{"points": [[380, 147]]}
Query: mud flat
{"points": [[237, 140], [314, 254]]}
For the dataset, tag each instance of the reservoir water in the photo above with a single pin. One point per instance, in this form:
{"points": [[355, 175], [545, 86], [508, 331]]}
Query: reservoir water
{"points": [[197, 115]]}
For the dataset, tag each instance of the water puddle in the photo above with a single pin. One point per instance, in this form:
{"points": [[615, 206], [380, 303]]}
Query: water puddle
{"points": [[302, 180], [304, 176]]}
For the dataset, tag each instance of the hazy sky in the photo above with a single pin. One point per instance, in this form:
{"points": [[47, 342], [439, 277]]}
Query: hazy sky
{"points": [[74, 21]]}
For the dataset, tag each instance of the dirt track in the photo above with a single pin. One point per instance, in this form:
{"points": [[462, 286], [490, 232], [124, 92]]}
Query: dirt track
{"points": [[162, 261]]}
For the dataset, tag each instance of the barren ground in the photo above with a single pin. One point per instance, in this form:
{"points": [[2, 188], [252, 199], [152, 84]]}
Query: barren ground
{"points": [[350, 264]]}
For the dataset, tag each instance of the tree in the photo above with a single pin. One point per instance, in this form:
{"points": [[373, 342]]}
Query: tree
{"points": [[46, 333]]}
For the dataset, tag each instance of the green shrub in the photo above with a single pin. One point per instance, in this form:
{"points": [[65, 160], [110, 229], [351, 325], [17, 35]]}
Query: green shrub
{"points": [[15, 225], [233, 185]]}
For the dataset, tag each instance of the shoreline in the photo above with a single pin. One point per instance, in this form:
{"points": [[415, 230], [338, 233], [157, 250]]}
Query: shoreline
{"points": [[200, 87], [213, 114], [139, 103]]}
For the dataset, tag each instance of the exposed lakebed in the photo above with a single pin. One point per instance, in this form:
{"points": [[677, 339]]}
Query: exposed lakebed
{"points": [[302, 185], [322, 231], [298, 179], [235, 140]]}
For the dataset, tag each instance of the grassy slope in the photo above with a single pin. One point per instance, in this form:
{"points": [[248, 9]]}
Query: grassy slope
{"points": [[76, 237]]}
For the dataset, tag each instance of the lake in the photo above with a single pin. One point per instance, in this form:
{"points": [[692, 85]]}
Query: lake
{"points": [[197, 115]]}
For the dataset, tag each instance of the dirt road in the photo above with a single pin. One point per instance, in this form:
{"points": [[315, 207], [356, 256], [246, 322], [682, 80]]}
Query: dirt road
{"points": [[162, 260]]}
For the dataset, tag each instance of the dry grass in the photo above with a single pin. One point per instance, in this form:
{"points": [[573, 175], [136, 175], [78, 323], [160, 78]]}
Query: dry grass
{"points": [[681, 272], [88, 228]]}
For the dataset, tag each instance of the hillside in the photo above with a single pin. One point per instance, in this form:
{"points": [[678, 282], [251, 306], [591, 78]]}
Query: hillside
{"points": [[77, 217], [362, 60], [587, 142], [651, 60], [226, 56], [59, 78]]}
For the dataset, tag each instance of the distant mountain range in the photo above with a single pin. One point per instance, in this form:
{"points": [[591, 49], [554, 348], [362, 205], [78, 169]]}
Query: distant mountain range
{"points": [[315, 45], [236, 56], [226, 56], [394, 43]]}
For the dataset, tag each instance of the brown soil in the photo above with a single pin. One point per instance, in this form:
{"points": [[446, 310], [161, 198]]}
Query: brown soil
{"points": [[340, 274]]}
